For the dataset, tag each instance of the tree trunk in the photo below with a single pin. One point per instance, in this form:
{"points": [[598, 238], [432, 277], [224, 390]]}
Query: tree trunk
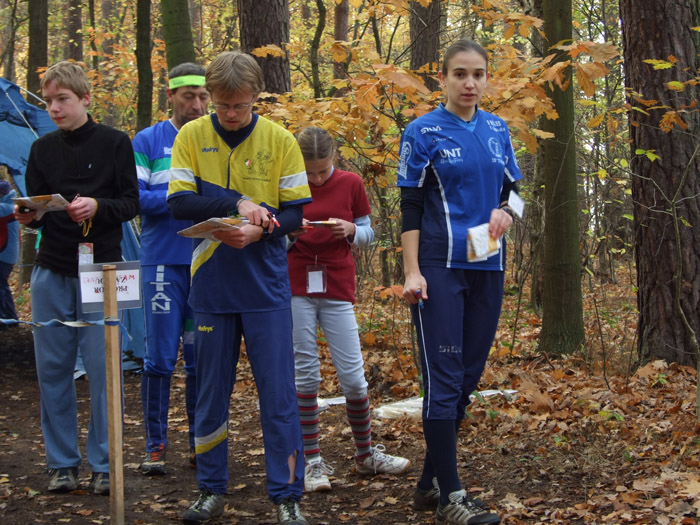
{"points": [[144, 105], [665, 190], [425, 40], [196, 23], [562, 306], [265, 22], [93, 45], [107, 23], [74, 45], [340, 33], [9, 34], [535, 212], [313, 50], [37, 57], [177, 32]]}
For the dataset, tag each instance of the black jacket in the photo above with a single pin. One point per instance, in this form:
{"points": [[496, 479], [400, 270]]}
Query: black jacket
{"points": [[94, 161]]}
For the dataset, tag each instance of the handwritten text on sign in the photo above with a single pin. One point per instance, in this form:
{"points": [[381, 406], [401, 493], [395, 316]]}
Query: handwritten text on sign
{"points": [[128, 280]]}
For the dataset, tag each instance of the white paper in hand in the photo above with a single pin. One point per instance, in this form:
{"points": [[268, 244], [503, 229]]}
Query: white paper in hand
{"points": [[516, 203], [480, 244]]}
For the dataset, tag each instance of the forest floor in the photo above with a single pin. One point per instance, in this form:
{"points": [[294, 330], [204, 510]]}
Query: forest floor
{"points": [[586, 439]]}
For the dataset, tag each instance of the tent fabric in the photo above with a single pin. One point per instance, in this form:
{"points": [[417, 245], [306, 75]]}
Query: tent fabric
{"points": [[20, 124]]}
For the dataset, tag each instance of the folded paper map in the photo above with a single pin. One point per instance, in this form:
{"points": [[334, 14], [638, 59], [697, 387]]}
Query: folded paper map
{"points": [[480, 244], [206, 229], [43, 203]]}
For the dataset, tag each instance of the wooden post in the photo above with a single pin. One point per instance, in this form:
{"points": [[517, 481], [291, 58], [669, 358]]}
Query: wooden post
{"points": [[114, 397]]}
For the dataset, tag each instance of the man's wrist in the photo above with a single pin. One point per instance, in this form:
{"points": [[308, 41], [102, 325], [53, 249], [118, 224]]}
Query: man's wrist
{"points": [[265, 235], [239, 201]]}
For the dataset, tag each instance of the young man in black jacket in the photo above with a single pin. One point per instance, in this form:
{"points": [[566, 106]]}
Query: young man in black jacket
{"points": [[92, 166]]}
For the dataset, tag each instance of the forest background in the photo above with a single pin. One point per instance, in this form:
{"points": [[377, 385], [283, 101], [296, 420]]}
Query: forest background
{"points": [[601, 98]]}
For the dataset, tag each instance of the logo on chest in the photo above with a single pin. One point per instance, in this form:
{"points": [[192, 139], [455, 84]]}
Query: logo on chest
{"points": [[451, 155], [258, 168]]}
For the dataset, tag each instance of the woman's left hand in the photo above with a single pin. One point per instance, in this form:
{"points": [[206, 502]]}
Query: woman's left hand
{"points": [[500, 221], [342, 229]]}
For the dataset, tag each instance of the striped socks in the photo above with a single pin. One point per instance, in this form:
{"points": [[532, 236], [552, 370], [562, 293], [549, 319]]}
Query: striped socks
{"points": [[308, 415], [360, 424]]}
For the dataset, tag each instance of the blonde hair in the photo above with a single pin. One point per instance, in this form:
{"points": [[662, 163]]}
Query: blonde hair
{"points": [[315, 143], [234, 72], [68, 75]]}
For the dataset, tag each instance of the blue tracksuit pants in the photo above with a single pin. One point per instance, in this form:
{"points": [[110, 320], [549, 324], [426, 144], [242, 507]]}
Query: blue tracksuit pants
{"points": [[455, 329], [268, 338], [167, 317], [56, 296]]}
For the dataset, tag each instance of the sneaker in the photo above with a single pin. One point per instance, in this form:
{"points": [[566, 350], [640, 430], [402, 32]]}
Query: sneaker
{"points": [[288, 512], [99, 483], [63, 479], [380, 463], [461, 510], [430, 499], [208, 505], [426, 499], [154, 464], [316, 476]]}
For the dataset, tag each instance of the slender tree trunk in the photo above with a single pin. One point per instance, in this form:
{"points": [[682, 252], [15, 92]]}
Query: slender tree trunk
{"points": [[340, 33], [177, 32], [9, 33], [562, 306], [265, 22], [107, 24], [93, 45], [313, 50], [665, 189], [425, 25], [144, 105], [535, 212], [37, 57], [74, 45], [196, 23]]}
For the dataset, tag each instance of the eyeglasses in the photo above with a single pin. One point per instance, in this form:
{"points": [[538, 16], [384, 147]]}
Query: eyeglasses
{"points": [[225, 108]]}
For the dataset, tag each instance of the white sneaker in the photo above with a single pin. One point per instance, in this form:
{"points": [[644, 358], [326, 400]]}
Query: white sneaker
{"points": [[380, 463], [288, 512], [461, 510], [316, 476]]}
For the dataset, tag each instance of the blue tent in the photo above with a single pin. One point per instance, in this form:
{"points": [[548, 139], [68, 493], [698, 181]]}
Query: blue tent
{"points": [[20, 124]]}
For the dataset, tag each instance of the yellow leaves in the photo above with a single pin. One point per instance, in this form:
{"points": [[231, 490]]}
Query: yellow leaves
{"points": [[268, 50], [595, 121], [339, 51], [587, 72], [671, 119], [556, 73], [402, 78], [658, 64], [542, 134]]}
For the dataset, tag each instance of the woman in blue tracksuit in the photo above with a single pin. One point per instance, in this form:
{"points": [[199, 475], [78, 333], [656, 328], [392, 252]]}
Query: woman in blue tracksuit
{"points": [[456, 171]]}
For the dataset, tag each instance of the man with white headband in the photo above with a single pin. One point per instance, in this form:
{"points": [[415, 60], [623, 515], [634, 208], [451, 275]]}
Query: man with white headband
{"points": [[165, 266]]}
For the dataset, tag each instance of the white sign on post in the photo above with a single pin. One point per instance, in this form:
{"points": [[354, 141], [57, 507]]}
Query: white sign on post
{"points": [[128, 276]]}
